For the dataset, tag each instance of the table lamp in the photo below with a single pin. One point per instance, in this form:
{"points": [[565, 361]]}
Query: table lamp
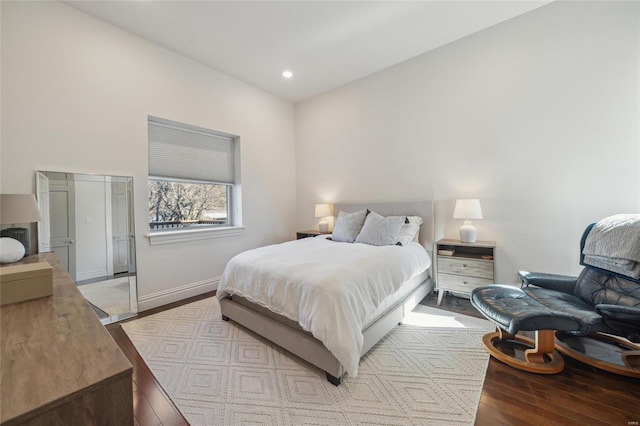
{"points": [[17, 208], [467, 209], [322, 211]]}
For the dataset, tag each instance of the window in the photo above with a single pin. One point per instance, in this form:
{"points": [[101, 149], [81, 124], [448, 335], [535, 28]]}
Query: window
{"points": [[192, 177], [174, 204]]}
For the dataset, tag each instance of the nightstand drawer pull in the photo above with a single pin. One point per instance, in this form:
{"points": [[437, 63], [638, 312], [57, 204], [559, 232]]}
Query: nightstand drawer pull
{"points": [[463, 267]]}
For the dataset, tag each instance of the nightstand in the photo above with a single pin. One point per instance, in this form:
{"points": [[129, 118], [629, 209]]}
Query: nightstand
{"points": [[461, 267], [310, 233]]}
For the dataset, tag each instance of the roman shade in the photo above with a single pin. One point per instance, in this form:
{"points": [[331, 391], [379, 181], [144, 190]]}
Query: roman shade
{"points": [[185, 152]]}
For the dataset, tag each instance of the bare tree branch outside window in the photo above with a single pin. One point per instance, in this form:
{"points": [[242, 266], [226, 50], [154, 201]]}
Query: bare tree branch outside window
{"points": [[180, 204]]}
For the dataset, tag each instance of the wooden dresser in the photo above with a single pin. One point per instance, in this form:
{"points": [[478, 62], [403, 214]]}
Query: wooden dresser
{"points": [[59, 365]]}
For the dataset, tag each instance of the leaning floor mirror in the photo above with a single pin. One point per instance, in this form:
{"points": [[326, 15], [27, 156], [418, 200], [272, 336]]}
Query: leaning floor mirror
{"points": [[88, 223]]}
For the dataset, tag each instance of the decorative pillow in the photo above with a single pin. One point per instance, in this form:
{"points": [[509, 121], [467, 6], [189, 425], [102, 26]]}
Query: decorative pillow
{"points": [[380, 231], [348, 226]]}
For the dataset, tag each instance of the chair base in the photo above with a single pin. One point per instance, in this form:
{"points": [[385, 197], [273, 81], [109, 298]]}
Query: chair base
{"points": [[629, 353], [542, 358]]}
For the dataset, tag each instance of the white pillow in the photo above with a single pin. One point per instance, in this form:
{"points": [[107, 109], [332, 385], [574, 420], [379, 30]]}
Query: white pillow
{"points": [[408, 233], [415, 219], [418, 221], [379, 230], [348, 226]]}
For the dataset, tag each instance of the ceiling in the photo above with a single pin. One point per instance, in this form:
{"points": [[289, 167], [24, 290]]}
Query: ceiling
{"points": [[325, 44]]}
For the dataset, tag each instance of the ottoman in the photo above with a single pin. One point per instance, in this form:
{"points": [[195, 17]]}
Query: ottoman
{"points": [[512, 311]]}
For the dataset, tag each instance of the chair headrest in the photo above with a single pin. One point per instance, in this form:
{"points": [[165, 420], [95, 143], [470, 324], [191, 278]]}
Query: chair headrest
{"points": [[583, 240]]}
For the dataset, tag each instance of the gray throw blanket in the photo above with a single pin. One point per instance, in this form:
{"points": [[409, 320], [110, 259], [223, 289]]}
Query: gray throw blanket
{"points": [[614, 245]]}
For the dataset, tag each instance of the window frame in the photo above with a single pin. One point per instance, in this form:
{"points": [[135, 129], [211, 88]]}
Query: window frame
{"points": [[233, 227]]}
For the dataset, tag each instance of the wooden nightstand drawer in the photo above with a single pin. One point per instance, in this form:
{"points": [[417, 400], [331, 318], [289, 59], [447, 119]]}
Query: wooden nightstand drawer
{"points": [[461, 283], [466, 267]]}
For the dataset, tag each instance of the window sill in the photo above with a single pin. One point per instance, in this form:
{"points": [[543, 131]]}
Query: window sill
{"points": [[183, 235]]}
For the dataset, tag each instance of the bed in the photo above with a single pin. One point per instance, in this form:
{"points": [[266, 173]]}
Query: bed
{"points": [[348, 331]]}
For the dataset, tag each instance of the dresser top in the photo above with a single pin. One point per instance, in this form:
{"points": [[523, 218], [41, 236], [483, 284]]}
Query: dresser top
{"points": [[53, 347]]}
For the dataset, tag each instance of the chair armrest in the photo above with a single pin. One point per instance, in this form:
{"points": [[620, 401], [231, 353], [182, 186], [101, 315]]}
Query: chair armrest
{"points": [[623, 319], [620, 313], [563, 283]]}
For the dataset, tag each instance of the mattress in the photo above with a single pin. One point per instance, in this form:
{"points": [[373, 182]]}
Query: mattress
{"points": [[406, 289], [396, 297]]}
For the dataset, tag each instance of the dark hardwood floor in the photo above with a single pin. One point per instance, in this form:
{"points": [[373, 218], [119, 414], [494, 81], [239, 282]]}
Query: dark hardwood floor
{"points": [[151, 405], [580, 395]]}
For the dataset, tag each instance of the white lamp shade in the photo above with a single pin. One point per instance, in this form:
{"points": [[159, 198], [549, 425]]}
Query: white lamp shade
{"points": [[323, 210], [467, 209], [19, 208]]}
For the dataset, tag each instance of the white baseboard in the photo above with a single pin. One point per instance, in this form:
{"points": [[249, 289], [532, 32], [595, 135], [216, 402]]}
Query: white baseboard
{"points": [[165, 297], [89, 275]]}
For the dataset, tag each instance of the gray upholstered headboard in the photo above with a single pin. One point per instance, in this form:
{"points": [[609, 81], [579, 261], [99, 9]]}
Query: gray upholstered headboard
{"points": [[424, 209]]}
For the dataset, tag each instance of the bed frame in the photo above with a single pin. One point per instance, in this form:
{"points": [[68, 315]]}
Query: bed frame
{"points": [[302, 343]]}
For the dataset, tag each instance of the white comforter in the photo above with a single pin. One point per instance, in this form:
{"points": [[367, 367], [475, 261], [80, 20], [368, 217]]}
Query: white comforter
{"points": [[329, 288]]}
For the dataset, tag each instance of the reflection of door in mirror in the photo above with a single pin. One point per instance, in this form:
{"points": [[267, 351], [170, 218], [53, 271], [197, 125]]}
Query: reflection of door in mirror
{"points": [[87, 221], [44, 232], [131, 236], [120, 237], [59, 233]]}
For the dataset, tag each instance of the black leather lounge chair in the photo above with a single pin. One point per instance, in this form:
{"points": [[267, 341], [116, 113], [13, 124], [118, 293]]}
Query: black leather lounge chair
{"points": [[595, 318]]}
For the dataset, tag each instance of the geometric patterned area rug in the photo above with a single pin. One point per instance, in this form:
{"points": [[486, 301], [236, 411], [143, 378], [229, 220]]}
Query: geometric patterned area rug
{"points": [[429, 370]]}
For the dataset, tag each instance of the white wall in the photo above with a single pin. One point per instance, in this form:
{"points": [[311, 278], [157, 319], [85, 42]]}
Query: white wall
{"points": [[538, 117], [91, 229], [76, 93]]}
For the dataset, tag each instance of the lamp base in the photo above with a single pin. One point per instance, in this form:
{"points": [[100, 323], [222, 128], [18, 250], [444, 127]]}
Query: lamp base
{"points": [[323, 226], [20, 234], [11, 250], [467, 232]]}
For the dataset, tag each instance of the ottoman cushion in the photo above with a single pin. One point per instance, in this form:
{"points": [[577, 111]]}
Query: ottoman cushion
{"points": [[511, 309], [588, 319]]}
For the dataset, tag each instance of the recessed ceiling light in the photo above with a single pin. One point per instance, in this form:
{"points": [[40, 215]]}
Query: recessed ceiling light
{"points": [[287, 74]]}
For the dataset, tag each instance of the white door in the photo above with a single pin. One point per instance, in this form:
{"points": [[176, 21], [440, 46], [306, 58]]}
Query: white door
{"points": [[62, 222], [44, 231], [132, 237], [120, 227]]}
